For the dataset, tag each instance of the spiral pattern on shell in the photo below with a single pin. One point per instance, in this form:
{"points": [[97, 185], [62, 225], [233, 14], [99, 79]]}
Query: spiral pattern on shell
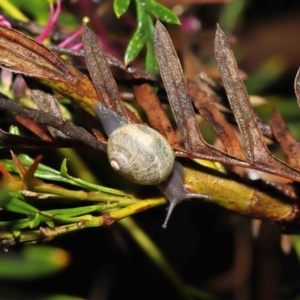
{"points": [[140, 154]]}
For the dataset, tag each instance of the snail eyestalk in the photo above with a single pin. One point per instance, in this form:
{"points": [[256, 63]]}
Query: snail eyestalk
{"points": [[175, 192]]}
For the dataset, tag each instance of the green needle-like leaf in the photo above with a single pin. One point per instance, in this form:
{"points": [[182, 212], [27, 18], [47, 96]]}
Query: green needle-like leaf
{"points": [[161, 12], [144, 31], [151, 60], [120, 7], [35, 222], [77, 211], [42, 171], [48, 173], [10, 202], [140, 36], [85, 184], [135, 45], [62, 216]]}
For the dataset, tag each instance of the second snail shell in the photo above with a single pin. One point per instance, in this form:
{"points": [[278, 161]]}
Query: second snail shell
{"points": [[140, 154]]}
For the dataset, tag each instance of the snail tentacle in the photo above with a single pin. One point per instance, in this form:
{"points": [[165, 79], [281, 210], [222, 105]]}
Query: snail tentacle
{"points": [[175, 192]]}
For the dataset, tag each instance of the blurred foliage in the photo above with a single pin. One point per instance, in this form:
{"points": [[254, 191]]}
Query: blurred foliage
{"points": [[143, 34], [33, 262]]}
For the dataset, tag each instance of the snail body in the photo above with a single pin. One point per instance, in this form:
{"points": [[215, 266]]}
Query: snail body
{"points": [[140, 154], [143, 156]]}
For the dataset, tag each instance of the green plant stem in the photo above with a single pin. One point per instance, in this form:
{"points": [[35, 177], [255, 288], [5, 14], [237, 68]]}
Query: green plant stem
{"points": [[107, 219], [54, 192], [153, 252]]}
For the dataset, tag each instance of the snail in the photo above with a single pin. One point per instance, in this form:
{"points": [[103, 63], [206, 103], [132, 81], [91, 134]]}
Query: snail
{"points": [[140, 154], [144, 156]]}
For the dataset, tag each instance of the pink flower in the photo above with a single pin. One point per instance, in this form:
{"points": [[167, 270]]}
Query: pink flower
{"points": [[4, 22]]}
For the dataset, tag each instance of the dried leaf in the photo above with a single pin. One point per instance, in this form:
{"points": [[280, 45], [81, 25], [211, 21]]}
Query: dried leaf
{"points": [[103, 80], [180, 101], [47, 102], [34, 127], [256, 150], [43, 118], [284, 137], [156, 116], [28, 176], [216, 120], [21, 54], [297, 87], [12, 140], [237, 94], [178, 94], [19, 166], [117, 66]]}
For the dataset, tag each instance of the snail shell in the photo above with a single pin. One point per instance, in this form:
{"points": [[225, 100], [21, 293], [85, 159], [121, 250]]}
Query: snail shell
{"points": [[140, 154]]}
